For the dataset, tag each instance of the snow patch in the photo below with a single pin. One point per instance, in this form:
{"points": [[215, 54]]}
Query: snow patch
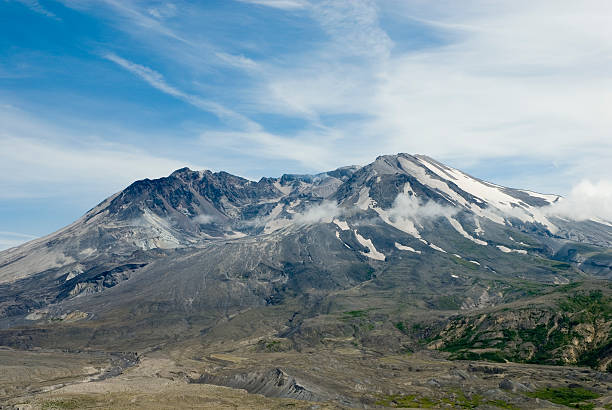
{"points": [[505, 249], [234, 235], [405, 248], [431, 245], [342, 224], [87, 252], [601, 221], [485, 192], [520, 243], [367, 243], [548, 197], [401, 223], [455, 223], [73, 274], [340, 239], [478, 231], [364, 202]]}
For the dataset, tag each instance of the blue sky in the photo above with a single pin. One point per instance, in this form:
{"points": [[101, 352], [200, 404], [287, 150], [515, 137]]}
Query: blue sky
{"points": [[96, 94]]}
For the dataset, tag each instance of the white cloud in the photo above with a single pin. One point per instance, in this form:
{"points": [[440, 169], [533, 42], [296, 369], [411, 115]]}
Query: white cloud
{"points": [[12, 239], [407, 206], [324, 212], [516, 80], [6, 243], [104, 167], [353, 26], [157, 80], [204, 219], [162, 11], [36, 7], [467, 82], [313, 150], [238, 61], [279, 4], [130, 16], [587, 200], [38, 159]]}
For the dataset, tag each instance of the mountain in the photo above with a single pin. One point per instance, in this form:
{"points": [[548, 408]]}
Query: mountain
{"points": [[404, 254]]}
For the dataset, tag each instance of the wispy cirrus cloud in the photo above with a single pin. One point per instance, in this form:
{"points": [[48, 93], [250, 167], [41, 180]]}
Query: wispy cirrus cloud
{"points": [[519, 81], [353, 26], [36, 7], [465, 83], [280, 4], [17, 235], [157, 81], [54, 161], [10, 241], [162, 11], [238, 61], [312, 150], [132, 16]]}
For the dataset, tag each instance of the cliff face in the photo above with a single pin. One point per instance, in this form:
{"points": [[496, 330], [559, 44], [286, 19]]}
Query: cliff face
{"points": [[562, 328]]}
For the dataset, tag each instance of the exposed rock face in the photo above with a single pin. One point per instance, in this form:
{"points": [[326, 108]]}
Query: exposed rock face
{"points": [[575, 330], [274, 383], [190, 208], [405, 233], [514, 387]]}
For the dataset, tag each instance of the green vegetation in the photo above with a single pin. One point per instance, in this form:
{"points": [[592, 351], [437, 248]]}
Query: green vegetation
{"points": [[356, 313], [562, 265], [458, 399], [591, 357], [556, 266], [464, 263], [571, 397], [272, 346], [569, 287], [69, 403], [502, 404], [508, 342], [447, 302], [591, 305], [496, 356], [471, 338], [420, 332], [405, 401], [401, 327], [525, 288]]}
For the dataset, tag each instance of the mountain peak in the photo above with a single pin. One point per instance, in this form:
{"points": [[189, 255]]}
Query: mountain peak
{"points": [[184, 170], [189, 208]]}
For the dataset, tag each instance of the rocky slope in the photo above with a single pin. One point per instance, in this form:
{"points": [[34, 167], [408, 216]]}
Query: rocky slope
{"points": [[390, 256], [569, 326]]}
